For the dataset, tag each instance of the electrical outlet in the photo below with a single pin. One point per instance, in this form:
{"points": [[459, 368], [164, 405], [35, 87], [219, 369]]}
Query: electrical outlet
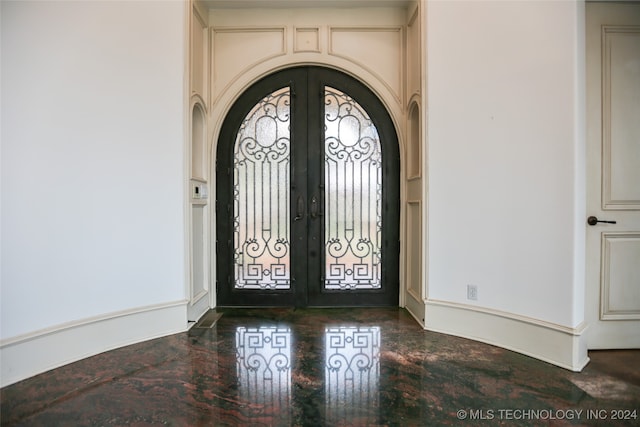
{"points": [[472, 292]]}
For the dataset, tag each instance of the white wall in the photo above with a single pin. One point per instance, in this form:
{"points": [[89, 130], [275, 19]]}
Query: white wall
{"points": [[93, 168], [506, 165], [92, 160]]}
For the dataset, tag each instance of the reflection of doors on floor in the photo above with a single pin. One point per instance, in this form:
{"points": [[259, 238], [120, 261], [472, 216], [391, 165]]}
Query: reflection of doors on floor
{"points": [[264, 361], [613, 188], [308, 194]]}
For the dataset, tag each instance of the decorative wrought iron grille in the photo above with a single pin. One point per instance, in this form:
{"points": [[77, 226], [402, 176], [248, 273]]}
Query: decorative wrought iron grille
{"points": [[352, 374], [261, 195], [353, 193], [263, 361]]}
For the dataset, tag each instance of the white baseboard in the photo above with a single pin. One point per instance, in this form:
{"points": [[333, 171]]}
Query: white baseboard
{"points": [[415, 307], [31, 354], [556, 344], [27, 355], [196, 310]]}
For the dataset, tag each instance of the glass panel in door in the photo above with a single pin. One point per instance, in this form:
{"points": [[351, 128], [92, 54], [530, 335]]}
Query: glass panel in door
{"points": [[261, 196], [352, 193]]}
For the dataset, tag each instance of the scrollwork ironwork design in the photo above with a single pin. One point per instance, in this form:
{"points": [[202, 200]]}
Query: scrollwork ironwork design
{"points": [[353, 193], [261, 195]]}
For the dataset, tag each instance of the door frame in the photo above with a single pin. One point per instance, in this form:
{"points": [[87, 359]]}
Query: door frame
{"points": [[311, 294]]}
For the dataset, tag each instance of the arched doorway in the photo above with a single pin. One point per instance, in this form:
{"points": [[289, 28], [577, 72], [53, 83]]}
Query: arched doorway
{"points": [[307, 183]]}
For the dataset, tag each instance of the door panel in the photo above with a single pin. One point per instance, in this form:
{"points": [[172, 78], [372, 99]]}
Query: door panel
{"points": [[613, 187], [352, 190], [308, 178], [620, 277], [261, 185], [621, 110]]}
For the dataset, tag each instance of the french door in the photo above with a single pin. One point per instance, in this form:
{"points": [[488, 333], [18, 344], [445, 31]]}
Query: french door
{"points": [[307, 194]]}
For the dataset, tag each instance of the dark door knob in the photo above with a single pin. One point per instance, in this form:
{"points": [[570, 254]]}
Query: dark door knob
{"points": [[592, 220]]}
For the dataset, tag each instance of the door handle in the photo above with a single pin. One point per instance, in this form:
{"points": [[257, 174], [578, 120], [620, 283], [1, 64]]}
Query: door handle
{"points": [[317, 204], [299, 209], [592, 220], [313, 210]]}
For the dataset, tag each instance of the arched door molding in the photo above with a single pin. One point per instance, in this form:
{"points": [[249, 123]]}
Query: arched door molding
{"points": [[222, 104], [330, 289]]}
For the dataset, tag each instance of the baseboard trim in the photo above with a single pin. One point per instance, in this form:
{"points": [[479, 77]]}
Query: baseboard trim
{"points": [[30, 354], [416, 317], [556, 344], [415, 308]]}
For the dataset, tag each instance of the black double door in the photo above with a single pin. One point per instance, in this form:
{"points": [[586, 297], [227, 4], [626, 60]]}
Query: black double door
{"points": [[307, 194]]}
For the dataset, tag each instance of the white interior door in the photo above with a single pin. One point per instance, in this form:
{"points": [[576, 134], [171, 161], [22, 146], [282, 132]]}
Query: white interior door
{"points": [[613, 171]]}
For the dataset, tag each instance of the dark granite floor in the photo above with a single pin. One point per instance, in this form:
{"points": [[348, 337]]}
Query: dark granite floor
{"points": [[342, 367]]}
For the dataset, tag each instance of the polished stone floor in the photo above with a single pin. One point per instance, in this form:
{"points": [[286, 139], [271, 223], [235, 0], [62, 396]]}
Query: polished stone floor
{"points": [[315, 367]]}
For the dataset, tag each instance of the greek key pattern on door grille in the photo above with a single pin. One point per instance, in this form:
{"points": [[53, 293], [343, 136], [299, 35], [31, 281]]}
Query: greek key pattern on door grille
{"points": [[263, 362], [352, 372], [353, 192], [261, 195]]}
